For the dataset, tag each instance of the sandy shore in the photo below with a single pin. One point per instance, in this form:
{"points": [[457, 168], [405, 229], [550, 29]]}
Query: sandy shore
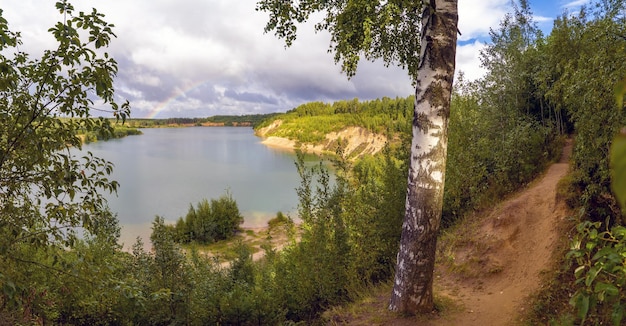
{"points": [[290, 145], [279, 142]]}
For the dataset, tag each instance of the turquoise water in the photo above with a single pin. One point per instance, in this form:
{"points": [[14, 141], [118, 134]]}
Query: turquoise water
{"points": [[164, 170]]}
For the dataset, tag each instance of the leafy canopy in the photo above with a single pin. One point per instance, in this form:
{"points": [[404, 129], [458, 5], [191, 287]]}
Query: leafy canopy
{"points": [[376, 29], [45, 190]]}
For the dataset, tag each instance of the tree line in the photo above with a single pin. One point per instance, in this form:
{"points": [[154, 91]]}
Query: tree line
{"points": [[247, 120]]}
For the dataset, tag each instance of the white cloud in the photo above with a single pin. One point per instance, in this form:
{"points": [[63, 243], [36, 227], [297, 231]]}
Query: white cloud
{"points": [[575, 3], [198, 58], [542, 19], [468, 60], [477, 16]]}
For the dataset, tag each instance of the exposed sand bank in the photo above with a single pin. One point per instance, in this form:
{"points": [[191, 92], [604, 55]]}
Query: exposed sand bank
{"points": [[356, 141]]}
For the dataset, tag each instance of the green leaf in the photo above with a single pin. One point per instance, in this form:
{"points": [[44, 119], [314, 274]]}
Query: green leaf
{"points": [[609, 289], [581, 302], [592, 274], [618, 167], [603, 252], [579, 270]]}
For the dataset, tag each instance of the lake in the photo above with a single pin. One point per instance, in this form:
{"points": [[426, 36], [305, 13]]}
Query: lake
{"points": [[165, 170]]}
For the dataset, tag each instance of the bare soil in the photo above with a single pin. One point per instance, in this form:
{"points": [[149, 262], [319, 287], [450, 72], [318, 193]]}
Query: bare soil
{"points": [[357, 141], [490, 264]]}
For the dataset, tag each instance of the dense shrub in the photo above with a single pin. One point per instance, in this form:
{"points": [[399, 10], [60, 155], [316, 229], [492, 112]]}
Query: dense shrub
{"points": [[209, 221], [491, 153]]}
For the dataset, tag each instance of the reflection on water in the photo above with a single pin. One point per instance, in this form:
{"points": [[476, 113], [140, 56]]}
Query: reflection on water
{"points": [[164, 170]]}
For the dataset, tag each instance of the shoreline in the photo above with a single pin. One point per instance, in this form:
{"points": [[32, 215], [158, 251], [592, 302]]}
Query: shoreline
{"points": [[286, 144]]}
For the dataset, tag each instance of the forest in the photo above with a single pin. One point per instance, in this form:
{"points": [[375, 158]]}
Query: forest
{"points": [[245, 120], [61, 263]]}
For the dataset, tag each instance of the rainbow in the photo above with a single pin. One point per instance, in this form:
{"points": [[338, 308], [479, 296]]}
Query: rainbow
{"points": [[176, 94]]}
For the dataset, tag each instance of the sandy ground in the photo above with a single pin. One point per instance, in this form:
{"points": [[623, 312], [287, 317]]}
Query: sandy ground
{"points": [[279, 143]]}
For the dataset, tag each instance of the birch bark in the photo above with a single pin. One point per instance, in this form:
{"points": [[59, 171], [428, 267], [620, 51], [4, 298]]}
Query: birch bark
{"points": [[413, 285]]}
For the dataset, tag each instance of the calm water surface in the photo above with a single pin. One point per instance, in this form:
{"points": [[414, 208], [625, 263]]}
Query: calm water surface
{"points": [[164, 170]]}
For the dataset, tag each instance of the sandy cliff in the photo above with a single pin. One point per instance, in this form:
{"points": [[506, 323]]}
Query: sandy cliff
{"points": [[356, 141]]}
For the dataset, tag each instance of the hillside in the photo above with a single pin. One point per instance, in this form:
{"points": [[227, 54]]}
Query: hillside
{"points": [[490, 264], [355, 141], [361, 127]]}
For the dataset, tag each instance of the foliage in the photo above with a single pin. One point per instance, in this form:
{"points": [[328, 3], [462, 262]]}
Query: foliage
{"points": [[618, 170], [377, 201], [209, 221], [224, 120], [598, 253], [618, 156], [373, 29], [240, 120], [280, 220], [585, 61], [600, 257], [349, 238], [310, 122], [46, 191], [492, 150], [119, 131]]}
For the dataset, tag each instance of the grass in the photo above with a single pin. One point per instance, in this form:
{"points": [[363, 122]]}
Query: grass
{"points": [[372, 309], [462, 252], [225, 250]]}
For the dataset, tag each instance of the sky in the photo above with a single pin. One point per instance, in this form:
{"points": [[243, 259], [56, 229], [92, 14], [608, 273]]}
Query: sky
{"points": [[199, 58]]}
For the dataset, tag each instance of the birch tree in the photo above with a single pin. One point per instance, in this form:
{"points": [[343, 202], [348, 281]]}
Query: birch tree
{"points": [[419, 36]]}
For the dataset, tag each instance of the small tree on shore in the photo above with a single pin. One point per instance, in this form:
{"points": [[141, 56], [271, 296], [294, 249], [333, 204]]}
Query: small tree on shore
{"points": [[209, 221]]}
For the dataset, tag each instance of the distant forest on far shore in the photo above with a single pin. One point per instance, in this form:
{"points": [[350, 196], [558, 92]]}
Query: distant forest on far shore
{"points": [[247, 120]]}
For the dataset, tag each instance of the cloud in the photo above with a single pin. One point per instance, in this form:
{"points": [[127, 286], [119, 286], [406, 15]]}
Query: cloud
{"points": [[250, 97], [476, 17], [542, 19], [200, 58], [575, 4], [468, 60]]}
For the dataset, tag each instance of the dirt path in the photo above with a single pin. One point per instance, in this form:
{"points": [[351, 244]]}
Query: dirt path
{"points": [[488, 268], [496, 271]]}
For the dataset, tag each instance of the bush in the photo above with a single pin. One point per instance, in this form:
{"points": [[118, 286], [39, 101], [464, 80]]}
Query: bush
{"points": [[279, 220], [491, 152], [209, 221], [600, 257]]}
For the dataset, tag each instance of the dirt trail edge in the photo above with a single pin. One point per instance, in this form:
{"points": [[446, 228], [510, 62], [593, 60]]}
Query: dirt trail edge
{"points": [[494, 272]]}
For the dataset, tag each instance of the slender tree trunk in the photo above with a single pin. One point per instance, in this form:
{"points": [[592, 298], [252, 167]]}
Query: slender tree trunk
{"points": [[413, 286]]}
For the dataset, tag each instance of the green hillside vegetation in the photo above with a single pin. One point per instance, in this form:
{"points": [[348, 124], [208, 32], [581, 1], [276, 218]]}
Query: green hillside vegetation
{"points": [[310, 122], [504, 129], [119, 131]]}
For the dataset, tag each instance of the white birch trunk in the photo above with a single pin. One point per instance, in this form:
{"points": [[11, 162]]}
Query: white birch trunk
{"points": [[413, 286]]}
